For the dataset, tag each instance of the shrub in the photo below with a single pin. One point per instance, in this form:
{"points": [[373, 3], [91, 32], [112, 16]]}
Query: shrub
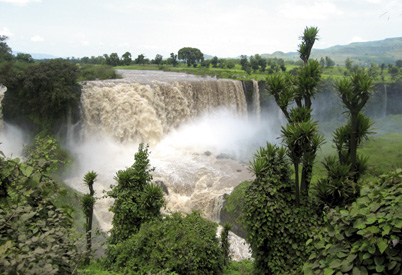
{"points": [[35, 235], [365, 237], [136, 199], [277, 230], [185, 245]]}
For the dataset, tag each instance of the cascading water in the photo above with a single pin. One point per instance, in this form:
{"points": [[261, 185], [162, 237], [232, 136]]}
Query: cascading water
{"points": [[132, 111], [256, 99], [3, 89]]}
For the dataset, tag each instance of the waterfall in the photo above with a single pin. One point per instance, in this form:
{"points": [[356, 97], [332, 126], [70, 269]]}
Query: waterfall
{"points": [[3, 89], [256, 99], [196, 127], [133, 111]]}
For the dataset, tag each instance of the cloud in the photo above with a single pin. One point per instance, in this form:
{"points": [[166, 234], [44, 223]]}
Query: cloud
{"points": [[309, 10], [37, 38], [5, 31], [20, 2], [357, 39]]}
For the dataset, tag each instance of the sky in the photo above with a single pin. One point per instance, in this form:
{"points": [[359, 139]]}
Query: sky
{"points": [[223, 28]]}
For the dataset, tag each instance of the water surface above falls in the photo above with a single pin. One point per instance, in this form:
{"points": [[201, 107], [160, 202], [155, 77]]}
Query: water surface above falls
{"points": [[199, 132]]}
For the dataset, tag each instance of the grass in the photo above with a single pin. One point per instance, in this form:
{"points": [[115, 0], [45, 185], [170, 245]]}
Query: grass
{"points": [[237, 73]]}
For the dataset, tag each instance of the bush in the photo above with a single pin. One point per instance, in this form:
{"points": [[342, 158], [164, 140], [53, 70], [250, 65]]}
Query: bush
{"points": [[35, 236], [277, 230], [365, 237], [93, 72], [136, 200], [185, 245]]}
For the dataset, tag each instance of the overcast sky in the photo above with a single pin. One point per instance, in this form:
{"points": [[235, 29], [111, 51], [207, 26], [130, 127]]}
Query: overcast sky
{"points": [[226, 28]]}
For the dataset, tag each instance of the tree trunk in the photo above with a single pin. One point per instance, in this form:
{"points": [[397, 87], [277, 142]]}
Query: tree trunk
{"points": [[353, 143], [297, 184], [89, 238]]}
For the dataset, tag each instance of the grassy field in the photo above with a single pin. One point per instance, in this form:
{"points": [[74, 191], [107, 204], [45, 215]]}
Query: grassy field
{"points": [[237, 73], [384, 148]]}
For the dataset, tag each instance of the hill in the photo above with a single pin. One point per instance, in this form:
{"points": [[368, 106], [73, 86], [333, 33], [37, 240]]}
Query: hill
{"points": [[383, 51]]}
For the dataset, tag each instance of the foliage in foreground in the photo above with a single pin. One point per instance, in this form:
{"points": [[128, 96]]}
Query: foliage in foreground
{"points": [[185, 245], [35, 236], [277, 230], [364, 238]]}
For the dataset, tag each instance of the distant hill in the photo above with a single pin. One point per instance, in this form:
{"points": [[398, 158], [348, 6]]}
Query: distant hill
{"points": [[383, 51]]}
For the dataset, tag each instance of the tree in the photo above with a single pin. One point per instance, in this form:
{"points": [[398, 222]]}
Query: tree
{"points": [[174, 59], [254, 64], [355, 92], [349, 64], [5, 50], [24, 57], [373, 70], [87, 202], [136, 200], [114, 59], [398, 63], [300, 136], [140, 59], [53, 82], [393, 71], [329, 62], [341, 187], [190, 55], [214, 62], [262, 62], [322, 61], [308, 39], [158, 59], [245, 64], [126, 58]]}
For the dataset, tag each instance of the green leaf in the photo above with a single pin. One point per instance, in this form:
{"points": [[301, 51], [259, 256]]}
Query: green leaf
{"points": [[328, 271], [27, 170], [379, 268], [382, 245], [386, 229], [371, 220], [398, 224]]}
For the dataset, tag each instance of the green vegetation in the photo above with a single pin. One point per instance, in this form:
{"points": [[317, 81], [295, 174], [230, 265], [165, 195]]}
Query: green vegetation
{"points": [[365, 237], [87, 204], [136, 199], [184, 245], [348, 222], [53, 82], [36, 236], [277, 230]]}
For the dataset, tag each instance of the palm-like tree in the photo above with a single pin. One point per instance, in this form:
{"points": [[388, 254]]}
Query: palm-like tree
{"points": [[88, 202], [355, 92]]}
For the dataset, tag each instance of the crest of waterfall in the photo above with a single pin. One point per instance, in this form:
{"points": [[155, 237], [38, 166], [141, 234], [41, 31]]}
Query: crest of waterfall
{"points": [[256, 99], [133, 111]]}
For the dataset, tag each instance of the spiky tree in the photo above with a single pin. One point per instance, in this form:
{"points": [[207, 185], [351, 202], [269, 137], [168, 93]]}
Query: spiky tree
{"points": [[341, 186], [88, 201], [286, 88]]}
